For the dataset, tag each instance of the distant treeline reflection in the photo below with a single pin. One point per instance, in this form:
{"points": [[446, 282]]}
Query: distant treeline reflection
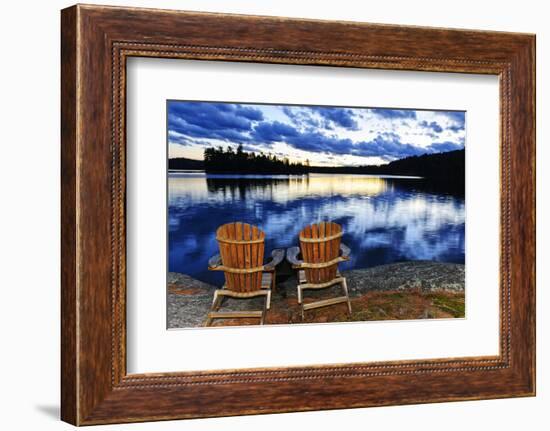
{"points": [[246, 187]]}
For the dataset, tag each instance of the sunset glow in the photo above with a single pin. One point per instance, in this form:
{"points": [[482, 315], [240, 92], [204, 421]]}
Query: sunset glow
{"points": [[326, 136]]}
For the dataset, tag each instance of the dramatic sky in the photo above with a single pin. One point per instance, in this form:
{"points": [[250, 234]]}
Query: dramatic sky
{"points": [[325, 135]]}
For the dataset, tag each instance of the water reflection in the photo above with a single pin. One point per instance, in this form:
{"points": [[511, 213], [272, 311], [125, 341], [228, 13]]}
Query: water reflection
{"points": [[384, 219]]}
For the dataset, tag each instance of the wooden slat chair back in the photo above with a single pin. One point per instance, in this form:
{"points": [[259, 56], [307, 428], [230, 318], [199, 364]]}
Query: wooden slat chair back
{"points": [[320, 247], [321, 250], [242, 254], [241, 259]]}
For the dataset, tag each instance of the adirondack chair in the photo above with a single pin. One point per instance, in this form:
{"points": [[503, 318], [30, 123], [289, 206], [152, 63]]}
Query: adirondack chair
{"points": [[246, 276], [321, 251]]}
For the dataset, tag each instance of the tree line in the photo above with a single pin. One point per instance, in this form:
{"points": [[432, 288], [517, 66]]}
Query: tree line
{"points": [[218, 159], [448, 166]]}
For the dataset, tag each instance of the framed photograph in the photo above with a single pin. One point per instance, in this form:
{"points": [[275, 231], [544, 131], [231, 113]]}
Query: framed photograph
{"points": [[342, 209], [264, 214]]}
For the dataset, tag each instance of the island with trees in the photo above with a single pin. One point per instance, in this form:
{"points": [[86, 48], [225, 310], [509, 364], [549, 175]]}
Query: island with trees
{"points": [[230, 161]]}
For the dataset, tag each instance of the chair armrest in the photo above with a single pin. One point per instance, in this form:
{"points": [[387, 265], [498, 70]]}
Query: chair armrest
{"points": [[292, 256], [214, 262], [344, 251], [277, 257], [293, 252]]}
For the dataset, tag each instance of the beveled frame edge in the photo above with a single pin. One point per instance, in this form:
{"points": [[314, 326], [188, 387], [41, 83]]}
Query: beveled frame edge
{"points": [[96, 41]]}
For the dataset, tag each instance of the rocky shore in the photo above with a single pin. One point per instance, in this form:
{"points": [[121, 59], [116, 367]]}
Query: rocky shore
{"points": [[405, 290]]}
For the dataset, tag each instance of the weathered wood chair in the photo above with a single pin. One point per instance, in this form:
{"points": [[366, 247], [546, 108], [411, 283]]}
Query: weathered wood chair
{"points": [[321, 251], [241, 259]]}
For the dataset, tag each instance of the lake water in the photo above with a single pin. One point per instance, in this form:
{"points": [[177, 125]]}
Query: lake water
{"points": [[385, 219]]}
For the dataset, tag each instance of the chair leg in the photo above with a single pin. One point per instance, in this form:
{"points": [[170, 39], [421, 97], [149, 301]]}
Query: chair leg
{"points": [[268, 300], [218, 302], [345, 287], [209, 319], [266, 307], [299, 288]]}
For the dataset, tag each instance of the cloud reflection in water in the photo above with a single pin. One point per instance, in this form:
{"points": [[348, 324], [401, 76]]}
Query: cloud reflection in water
{"points": [[385, 220]]}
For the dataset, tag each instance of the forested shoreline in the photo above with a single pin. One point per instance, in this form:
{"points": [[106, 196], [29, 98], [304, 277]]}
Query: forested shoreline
{"points": [[448, 165]]}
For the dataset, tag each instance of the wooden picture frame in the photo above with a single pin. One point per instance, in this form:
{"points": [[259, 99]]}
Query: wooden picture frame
{"points": [[95, 42]]}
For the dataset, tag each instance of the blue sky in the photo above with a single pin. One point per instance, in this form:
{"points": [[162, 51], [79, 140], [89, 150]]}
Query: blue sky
{"points": [[328, 136]]}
